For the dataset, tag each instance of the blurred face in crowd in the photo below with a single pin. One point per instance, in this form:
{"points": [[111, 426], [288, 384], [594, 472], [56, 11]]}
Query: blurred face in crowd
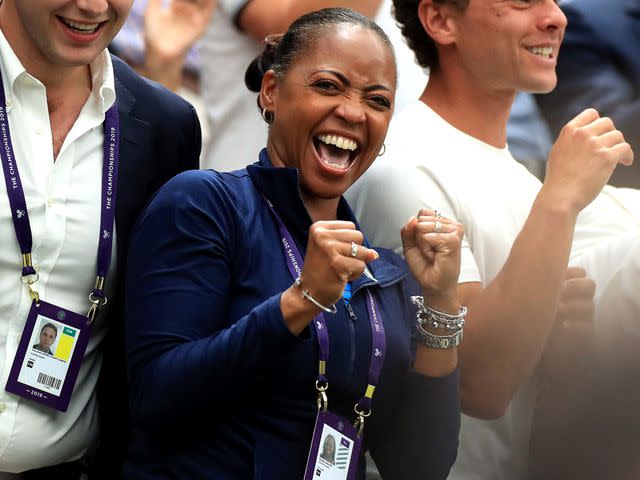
{"points": [[332, 108], [47, 337], [62, 32], [510, 44]]}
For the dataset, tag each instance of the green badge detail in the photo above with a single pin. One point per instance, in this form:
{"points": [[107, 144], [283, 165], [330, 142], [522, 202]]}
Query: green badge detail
{"points": [[69, 331]]}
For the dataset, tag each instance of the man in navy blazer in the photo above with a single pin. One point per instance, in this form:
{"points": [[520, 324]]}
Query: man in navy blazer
{"points": [[599, 66], [60, 84], [160, 138]]}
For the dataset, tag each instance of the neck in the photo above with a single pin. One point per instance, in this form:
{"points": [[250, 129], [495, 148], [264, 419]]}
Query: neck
{"points": [[472, 109], [61, 81], [320, 208]]}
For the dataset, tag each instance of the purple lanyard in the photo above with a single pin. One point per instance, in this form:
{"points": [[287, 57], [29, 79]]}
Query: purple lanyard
{"points": [[379, 340], [18, 202]]}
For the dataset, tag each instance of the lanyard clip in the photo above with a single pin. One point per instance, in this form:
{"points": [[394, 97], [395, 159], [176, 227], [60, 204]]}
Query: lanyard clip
{"points": [[359, 423], [33, 292], [30, 281], [323, 401], [96, 302]]}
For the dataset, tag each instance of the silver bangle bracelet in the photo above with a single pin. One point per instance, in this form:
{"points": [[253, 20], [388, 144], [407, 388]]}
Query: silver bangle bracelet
{"points": [[305, 294], [432, 340], [431, 317]]}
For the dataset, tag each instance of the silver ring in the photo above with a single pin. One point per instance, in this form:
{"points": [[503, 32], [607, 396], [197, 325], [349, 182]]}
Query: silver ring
{"points": [[438, 227], [438, 214], [354, 249]]}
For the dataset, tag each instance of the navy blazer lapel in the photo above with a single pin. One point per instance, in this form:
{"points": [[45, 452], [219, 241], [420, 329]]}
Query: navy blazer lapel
{"points": [[131, 128], [135, 138]]}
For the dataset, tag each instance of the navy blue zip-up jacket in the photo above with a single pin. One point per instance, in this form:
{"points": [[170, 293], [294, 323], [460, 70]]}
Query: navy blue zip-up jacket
{"points": [[219, 387]]}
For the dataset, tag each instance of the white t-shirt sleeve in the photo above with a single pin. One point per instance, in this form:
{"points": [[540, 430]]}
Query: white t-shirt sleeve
{"points": [[390, 193]]}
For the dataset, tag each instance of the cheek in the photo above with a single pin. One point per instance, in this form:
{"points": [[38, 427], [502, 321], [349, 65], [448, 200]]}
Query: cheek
{"points": [[378, 128]]}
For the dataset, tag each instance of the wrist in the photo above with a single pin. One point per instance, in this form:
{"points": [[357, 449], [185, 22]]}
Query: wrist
{"points": [[447, 302], [296, 310], [438, 329], [556, 203]]}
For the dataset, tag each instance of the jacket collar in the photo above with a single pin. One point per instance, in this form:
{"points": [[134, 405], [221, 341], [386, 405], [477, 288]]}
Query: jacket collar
{"points": [[281, 187]]}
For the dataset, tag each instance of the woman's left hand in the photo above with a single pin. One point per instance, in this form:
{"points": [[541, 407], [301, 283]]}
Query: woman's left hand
{"points": [[431, 246]]}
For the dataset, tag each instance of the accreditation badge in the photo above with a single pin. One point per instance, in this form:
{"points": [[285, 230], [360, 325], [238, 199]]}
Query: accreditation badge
{"points": [[335, 449], [49, 355]]}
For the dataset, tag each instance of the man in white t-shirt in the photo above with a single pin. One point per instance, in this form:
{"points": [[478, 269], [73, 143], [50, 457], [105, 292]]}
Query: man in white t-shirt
{"points": [[448, 151]]}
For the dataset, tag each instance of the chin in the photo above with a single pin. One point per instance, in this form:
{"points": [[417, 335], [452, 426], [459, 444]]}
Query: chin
{"points": [[539, 85]]}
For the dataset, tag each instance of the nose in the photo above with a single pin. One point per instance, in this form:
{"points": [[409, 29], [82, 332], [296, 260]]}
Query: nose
{"points": [[553, 17], [93, 7], [351, 111]]}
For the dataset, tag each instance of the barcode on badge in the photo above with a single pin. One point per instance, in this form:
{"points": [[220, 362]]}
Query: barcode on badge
{"points": [[49, 381]]}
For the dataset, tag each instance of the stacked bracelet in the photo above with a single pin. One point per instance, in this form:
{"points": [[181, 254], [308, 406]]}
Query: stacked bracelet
{"points": [[432, 340], [430, 317], [305, 294]]}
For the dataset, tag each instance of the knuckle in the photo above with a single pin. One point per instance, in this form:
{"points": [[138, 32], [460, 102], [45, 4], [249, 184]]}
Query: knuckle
{"points": [[618, 136], [335, 263], [592, 113], [315, 229], [608, 123]]}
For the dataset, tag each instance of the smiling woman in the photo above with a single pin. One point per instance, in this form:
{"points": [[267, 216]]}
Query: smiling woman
{"points": [[328, 113], [260, 308]]}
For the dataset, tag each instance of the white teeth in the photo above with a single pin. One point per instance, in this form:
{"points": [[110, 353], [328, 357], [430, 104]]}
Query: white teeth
{"points": [[338, 141], [85, 27], [542, 51]]}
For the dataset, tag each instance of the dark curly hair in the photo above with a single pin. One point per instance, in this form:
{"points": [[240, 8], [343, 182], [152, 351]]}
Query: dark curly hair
{"points": [[281, 50], [423, 46]]}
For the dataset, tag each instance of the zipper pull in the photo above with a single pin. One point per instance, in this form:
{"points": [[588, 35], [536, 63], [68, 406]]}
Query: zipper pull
{"points": [[352, 314], [346, 299]]}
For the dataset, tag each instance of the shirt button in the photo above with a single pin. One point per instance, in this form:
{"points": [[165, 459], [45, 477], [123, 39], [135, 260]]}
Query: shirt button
{"points": [[49, 202], [3, 407]]}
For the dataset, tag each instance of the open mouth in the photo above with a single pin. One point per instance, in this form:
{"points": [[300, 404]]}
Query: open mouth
{"points": [[335, 151], [544, 52], [81, 28]]}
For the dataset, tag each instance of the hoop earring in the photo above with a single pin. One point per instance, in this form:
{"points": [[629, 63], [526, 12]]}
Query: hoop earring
{"points": [[267, 116], [383, 150]]}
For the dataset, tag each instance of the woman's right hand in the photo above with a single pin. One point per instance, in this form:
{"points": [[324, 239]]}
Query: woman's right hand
{"points": [[583, 158], [328, 266]]}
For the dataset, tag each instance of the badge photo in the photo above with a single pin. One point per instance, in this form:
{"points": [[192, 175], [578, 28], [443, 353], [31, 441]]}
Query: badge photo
{"points": [[335, 449], [49, 355]]}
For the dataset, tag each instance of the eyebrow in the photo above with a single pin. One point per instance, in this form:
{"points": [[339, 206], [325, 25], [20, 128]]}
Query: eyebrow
{"points": [[346, 81]]}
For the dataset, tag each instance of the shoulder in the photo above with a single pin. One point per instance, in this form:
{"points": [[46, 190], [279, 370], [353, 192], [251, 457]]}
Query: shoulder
{"points": [[201, 209], [154, 102], [204, 196], [205, 189]]}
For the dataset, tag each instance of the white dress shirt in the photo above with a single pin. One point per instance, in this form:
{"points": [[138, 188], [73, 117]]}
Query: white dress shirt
{"points": [[63, 201]]}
